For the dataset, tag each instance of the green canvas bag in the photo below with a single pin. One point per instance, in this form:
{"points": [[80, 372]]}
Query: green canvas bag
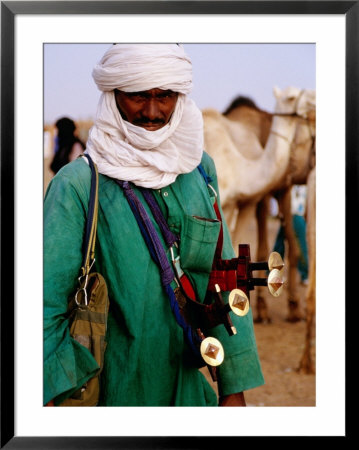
{"points": [[88, 306]]}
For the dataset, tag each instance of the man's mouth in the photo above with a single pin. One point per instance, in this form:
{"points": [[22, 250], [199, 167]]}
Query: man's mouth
{"points": [[150, 125]]}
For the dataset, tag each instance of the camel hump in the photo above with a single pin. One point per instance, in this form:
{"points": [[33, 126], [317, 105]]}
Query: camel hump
{"points": [[240, 101]]}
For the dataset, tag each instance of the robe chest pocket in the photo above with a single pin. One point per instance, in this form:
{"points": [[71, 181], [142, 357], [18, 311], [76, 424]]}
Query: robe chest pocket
{"points": [[198, 243]]}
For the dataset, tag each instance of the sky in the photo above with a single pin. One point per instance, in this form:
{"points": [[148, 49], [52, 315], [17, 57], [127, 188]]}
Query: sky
{"points": [[221, 72]]}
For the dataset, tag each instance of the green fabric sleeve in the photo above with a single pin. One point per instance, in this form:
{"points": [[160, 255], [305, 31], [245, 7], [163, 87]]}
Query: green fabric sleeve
{"points": [[241, 369], [67, 364]]}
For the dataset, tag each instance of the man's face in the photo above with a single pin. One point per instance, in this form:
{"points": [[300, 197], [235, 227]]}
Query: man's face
{"points": [[147, 109]]}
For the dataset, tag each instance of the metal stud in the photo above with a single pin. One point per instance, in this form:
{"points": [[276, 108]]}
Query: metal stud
{"points": [[275, 261], [275, 282], [238, 301], [212, 351]]}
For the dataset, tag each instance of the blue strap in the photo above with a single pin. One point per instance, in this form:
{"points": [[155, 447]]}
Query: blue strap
{"points": [[159, 256], [206, 177], [149, 233], [169, 237]]}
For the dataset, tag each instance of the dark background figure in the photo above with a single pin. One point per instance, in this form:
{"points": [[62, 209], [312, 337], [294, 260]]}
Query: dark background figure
{"points": [[298, 205], [68, 145]]}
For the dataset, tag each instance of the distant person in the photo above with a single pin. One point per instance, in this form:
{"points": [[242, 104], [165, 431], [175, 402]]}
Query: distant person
{"points": [[68, 146], [298, 195]]}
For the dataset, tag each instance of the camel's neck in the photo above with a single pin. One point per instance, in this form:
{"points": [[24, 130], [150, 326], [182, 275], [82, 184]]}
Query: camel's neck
{"points": [[278, 146], [283, 129]]}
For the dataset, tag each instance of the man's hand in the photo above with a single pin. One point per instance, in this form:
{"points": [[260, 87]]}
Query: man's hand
{"points": [[232, 400]]}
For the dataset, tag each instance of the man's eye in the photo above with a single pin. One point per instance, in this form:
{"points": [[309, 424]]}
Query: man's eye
{"points": [[168, 95], [137, 97]]}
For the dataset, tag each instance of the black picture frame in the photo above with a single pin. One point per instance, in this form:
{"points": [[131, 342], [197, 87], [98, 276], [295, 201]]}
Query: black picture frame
{"points": [[9, 9]]}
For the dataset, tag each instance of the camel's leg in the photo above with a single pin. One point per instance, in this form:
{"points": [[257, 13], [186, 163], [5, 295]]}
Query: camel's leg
{"points": [[242, 221], [262, 255], [230, 212], [306, 364], [293, 256]]}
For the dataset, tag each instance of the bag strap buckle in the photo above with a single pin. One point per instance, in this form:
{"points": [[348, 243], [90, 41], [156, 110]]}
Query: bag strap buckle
{"points": [[85, 297], [85, 275]]}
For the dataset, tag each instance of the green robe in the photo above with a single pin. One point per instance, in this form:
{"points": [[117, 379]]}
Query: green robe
{"points": [[145, 360]]}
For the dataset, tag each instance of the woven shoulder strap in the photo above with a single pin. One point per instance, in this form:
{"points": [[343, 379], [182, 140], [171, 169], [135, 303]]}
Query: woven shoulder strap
{"points": [[91, 222], [204, 174]]}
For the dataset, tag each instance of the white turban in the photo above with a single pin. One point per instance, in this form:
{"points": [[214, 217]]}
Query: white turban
{"points": [[124, 151], [140, 67]]}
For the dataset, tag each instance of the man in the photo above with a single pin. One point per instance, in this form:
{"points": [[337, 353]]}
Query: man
{"points": [[147, 132]]}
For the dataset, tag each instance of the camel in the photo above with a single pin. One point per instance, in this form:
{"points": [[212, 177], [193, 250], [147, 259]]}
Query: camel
{"points": [[246, 178], [306, 364], [302, 159]]}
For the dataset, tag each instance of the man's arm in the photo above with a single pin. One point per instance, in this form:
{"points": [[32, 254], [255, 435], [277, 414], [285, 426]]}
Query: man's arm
{"points": [[67, 364], [232, 400]]}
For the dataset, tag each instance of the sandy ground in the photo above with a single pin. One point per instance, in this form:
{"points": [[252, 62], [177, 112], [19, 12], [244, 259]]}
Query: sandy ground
{"points": [[280, 346]]}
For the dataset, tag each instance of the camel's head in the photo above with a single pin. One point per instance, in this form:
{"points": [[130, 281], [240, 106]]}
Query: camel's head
{"points": [[294, 100], [307, 104], [286, 99]]}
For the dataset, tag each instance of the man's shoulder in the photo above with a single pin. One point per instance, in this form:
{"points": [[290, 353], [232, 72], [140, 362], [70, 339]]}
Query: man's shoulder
{"points": [[74, 176], [77, 172], [208, 164]]}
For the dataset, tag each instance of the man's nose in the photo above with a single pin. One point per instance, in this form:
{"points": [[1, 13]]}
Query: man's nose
{"points": [[151, 109]]}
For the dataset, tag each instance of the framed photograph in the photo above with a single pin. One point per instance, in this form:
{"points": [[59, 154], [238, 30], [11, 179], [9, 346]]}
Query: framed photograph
{"points": [[27, 30]]}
